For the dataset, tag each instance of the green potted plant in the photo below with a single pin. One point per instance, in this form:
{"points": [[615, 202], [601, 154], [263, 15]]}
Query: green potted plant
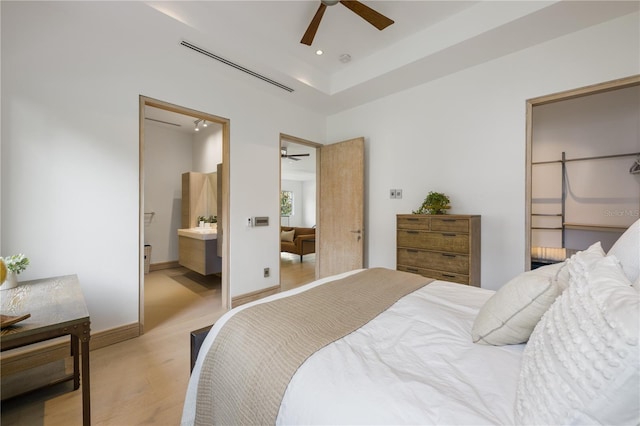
{"points": [[434, 203], [207, 219], [14, 265]]}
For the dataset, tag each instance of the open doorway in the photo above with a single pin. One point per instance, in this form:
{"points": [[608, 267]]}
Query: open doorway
{"points": [[580, 190], [298, 206], [170, 148]]}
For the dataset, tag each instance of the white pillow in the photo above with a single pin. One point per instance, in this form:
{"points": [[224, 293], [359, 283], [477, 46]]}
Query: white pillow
{"points": [[581, 365], [287, 235], [577, 264], [509, 316], [627, 250]]}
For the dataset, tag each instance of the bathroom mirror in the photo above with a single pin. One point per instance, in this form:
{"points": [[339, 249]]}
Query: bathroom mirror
{"points": [[199, 197]]}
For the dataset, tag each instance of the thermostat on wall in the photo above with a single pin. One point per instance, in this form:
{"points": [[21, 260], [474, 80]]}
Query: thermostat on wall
{"points": [[261, 221]]}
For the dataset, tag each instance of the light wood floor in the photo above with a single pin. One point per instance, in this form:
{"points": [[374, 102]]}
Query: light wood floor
{"points": [[294, 273], [143, 381]]}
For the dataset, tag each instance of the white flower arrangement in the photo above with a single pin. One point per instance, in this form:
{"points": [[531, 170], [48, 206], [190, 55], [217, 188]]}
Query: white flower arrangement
{"points": [[16, 263]]}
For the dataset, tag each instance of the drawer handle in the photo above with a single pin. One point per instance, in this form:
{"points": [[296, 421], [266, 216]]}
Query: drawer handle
{"points": [[413, 219], [448, 275], [449, 235], [411, 232], [411, 270], [412, 250], [448, 255], [448, 220]]}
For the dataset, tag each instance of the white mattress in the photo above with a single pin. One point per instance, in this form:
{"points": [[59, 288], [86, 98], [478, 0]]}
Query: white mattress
{"points": [[413, 364]]}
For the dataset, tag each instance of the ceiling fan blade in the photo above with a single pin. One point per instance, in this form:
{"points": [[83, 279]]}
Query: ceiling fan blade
{"points": [[308, 36], [376, 19], [294, 157]]}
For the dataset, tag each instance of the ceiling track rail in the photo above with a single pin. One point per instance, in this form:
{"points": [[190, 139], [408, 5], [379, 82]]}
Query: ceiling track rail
{"points": [[234, 65]]}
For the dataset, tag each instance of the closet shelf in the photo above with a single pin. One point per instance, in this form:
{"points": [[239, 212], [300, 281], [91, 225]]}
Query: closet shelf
{"points": [[599, 157], [590, 227], [582, 226], [576, 226]]}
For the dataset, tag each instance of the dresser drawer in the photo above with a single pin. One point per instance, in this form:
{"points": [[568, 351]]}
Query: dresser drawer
{"points": [[457, 263], [437, 241], [414, 222], [449, 224], [436, 275]]}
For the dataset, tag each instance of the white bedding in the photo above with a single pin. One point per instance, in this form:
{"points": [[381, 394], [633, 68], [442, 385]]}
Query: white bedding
{"points": [[413, 364]]}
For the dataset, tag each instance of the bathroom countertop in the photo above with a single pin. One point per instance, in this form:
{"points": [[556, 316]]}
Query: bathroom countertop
{"points": [[199, 233]]}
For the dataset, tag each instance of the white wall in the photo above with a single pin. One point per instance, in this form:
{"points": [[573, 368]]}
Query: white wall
{"points": [[295, 186], [207, 149], [70, 161], [167, 154], [70, 87], [304, 202], [309, 203], [464, 134]]}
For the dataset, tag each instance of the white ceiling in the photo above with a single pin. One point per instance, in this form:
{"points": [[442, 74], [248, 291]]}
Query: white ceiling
{"points": [[429, 39], [304, 169]]}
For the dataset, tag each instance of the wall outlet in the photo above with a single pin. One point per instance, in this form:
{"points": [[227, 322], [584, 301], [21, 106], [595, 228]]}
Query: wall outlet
{"points": [[398, 193], [266, 272], [249, 222]]}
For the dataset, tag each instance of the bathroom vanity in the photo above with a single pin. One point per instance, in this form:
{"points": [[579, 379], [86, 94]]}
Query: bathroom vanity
{"points": [[198, 246], [198, 251]]}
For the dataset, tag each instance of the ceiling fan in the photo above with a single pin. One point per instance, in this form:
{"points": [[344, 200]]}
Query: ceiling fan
{"points": [[371, 16], [294, 157]]}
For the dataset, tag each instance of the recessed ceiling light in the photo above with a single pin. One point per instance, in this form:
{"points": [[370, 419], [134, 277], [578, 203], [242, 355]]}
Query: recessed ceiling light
{"points": [[319, 52]]}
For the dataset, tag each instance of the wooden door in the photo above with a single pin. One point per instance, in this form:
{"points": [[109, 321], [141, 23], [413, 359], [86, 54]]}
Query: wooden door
{"points": [[341, 207]]}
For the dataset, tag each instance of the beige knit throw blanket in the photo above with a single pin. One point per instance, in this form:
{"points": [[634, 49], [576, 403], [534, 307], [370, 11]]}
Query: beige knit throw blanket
{"points": [[259, 349]]}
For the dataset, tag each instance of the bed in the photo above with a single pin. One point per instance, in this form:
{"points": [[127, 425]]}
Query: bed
{"points": [[558, 345]]}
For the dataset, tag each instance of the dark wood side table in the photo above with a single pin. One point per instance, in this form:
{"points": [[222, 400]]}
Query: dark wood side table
{"points": [[57, 308]]}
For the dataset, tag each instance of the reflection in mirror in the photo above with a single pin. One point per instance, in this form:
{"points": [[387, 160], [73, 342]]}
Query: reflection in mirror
{"points": [[199, 197]]}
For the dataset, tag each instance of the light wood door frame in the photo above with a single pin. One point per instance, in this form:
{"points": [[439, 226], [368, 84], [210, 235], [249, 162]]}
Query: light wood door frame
{"points": [[223, 225], [542, 100]]}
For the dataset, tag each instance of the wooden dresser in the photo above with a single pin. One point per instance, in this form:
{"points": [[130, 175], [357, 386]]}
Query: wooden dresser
{"points": [[444, 247]]}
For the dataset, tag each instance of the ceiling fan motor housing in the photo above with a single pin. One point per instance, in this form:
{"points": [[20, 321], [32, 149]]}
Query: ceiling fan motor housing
{"points": [[376, 19]]}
